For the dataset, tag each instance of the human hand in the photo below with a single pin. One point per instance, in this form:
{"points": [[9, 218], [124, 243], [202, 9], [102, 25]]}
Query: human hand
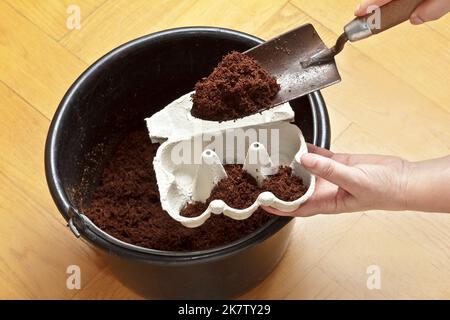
{"points": [[348, 183], [427, 11]]}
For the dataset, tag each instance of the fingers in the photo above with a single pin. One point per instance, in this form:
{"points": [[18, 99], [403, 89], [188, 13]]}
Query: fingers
{"points": [[322, 202], [362, 9], [317, 150], [344, 176], [306, 210], [430, 10], [278, 212]]}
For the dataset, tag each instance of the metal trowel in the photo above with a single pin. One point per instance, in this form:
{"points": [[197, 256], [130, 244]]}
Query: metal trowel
{"points": [[302, 63]]}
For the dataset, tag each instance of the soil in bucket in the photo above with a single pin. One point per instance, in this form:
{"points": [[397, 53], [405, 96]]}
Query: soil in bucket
{"points": [[126, 203]]}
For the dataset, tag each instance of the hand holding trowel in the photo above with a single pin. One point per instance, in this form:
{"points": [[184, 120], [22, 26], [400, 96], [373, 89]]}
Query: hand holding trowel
{"points": [[302, 63]]}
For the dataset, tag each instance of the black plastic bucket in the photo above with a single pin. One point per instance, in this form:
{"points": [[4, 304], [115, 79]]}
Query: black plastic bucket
{"points": [[113, 97]]}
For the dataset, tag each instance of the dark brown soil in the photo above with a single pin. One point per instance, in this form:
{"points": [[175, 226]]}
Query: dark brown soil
{"points": [[240, 190], [284, 185], [237, 87], [126, 205]]}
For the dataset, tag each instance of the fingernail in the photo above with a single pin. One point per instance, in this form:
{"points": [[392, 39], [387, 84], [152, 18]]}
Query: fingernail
{"points": [[358, 8], [308, 160], [415, 20]]}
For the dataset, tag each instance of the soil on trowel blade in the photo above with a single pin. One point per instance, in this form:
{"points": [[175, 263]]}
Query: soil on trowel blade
{"points": [[237, 87]]}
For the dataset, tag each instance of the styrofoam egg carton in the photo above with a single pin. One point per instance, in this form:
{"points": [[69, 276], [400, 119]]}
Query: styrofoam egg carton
{"points": [[187, 169], [175, 121]]}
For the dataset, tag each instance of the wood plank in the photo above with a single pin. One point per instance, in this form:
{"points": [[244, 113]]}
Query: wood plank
{"points": [[338, 122], [36, 250], [427, 230], [119, 21], [27, 266], [106, 286], [318, 286], [418, 55], [403, 119], [285, 19], [33, 64], [408, 271], [51, 15], [312, 239], [441, 26], [246, 16], [22, 140], [356, 140]]}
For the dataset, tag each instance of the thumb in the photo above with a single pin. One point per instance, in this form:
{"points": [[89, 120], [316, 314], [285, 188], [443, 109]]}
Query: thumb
{"points": [[430, 10], [346, 177], [363, 8]]}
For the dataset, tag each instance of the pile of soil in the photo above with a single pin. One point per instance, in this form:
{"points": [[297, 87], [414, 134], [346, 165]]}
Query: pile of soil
{"points": [[284, 185], [126, 205], [237, 87], [240, 190]]}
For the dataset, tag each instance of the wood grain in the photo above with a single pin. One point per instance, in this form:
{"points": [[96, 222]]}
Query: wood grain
{"points": [[393, 99], [404, 50], [119, 21], [318, 285], [312, 239], [23, 126], [401, 263], [51, 15], [36, 250], [33, 64], [106, 286]]}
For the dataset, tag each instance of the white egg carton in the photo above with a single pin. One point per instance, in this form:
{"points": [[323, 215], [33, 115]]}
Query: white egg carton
{"points": [[188, 176], [175, 121]]}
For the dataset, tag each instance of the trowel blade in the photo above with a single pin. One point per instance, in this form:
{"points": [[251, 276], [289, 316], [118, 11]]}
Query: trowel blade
{"points": [[282, 57]]}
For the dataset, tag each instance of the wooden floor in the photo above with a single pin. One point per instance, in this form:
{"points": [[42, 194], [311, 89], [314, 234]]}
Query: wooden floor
{"points": [[394, 99]]}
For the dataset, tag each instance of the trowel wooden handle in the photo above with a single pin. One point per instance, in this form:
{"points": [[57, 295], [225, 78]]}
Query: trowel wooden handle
{"points": [[387, 16]]}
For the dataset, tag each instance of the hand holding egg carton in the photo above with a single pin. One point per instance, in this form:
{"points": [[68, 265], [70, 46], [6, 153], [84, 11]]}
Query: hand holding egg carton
{"points": [[190, 161]]}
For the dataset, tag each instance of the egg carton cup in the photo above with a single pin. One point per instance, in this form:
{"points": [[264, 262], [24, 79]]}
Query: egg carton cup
{"points": [[193, 180], [175, 121]]}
